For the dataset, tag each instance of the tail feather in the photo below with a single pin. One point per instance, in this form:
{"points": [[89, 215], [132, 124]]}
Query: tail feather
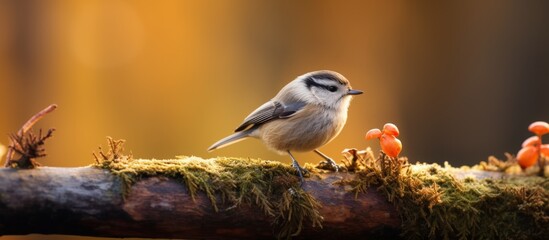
{"points": [[233, 138]]}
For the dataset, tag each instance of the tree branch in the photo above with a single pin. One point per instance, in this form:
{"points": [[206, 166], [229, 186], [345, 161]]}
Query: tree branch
{"points": [[89, 201], [250, 198]]}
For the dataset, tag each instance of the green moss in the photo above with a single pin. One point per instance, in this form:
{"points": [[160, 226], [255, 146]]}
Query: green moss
{"points": [[270, 185], [434, 204]]}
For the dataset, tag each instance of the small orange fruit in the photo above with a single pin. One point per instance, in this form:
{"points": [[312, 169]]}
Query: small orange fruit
{"points": [[373, 133], [539, 128], [390, 145], [390, 129], [533, 141], [527, 156]]}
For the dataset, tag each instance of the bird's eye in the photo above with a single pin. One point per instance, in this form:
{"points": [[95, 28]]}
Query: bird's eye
{"points": [[332, 88]]}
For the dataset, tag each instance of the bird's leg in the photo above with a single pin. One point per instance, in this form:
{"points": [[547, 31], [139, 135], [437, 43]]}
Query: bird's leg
{"points": [[299, 169], [330, 162]]}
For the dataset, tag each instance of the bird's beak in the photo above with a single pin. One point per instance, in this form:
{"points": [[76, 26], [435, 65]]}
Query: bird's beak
{"points": [[354, 92]]}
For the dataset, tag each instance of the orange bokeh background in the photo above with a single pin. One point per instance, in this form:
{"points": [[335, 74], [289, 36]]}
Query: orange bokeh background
{"points": [[461, 80]]}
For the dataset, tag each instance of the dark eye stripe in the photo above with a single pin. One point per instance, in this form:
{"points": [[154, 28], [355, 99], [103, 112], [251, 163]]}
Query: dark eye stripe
{"points": [[310, 82]]}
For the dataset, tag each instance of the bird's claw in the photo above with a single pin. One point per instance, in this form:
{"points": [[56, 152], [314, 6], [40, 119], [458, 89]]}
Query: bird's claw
{"points": [[300, 171]]}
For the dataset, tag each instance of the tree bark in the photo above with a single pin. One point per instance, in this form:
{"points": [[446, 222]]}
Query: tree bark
{"points": [[91, 202]]}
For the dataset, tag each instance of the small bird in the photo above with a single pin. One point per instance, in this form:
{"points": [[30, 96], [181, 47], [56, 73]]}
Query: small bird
{"points": [[306, 114]]}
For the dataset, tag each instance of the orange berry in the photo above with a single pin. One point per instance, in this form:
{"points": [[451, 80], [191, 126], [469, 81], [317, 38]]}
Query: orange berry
{"points": [[390, 145], [390, 129], [532, 141], [373, 133], [527, 156], [539, 128]]}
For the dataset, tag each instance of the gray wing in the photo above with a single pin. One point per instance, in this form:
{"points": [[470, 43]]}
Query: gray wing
{"points": [[269, 111]]}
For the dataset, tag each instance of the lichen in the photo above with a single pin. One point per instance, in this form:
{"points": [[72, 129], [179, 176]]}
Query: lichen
{"points": [[433, 203], [269, 185]]}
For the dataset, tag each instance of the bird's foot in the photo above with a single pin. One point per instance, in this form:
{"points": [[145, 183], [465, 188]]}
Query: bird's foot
{"points": [[300, 171]]}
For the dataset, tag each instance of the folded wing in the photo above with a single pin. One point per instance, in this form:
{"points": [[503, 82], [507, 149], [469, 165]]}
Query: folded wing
{"points": [[269, 111]]}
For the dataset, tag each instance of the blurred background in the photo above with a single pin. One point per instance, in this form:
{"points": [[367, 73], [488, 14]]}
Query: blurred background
{"points": [[462, 80]]}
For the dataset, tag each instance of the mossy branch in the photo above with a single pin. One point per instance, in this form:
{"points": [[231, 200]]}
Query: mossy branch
{"points": [[91, 201], [172, 199], [191, 197]]}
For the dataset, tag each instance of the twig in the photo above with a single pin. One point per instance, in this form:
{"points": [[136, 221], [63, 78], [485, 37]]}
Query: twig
{"points": [[25, 128]]}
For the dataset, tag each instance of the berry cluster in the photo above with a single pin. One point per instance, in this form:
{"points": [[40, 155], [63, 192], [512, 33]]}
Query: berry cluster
{"points": [[532, 149], [390, 145]]}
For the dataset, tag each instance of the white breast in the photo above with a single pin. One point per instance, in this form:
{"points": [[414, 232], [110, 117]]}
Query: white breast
{"points": [[309, 129]]}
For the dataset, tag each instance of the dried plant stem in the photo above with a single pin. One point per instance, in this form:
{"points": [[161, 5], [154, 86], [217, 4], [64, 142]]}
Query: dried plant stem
{"points": [[541, 158], [541, 164], [25, 128]]}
